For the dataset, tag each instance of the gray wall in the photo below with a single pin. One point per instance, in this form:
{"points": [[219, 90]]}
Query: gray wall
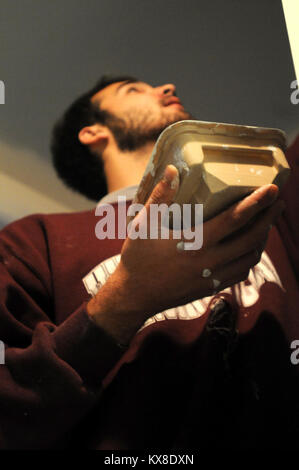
{"points": [[230, 60]]}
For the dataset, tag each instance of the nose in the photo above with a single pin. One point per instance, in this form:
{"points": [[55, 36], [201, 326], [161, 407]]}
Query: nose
{"points": [[167, 89]]}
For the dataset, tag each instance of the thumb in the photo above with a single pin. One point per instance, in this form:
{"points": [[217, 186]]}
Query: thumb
{"points": [[166, 189], [163, 192]]}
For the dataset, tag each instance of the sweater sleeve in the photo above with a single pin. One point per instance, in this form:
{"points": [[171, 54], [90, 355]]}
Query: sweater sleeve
{"points": [[51, 376]]}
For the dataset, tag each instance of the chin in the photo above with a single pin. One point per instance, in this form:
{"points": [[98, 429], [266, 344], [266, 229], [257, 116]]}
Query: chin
{"points": [[176, 116]]}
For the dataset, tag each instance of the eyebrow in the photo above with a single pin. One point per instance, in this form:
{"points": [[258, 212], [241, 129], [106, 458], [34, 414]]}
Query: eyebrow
{"points": [[125, 83]]}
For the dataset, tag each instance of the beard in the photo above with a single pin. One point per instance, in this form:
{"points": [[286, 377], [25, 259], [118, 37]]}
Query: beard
{"points": [[140, 128]]}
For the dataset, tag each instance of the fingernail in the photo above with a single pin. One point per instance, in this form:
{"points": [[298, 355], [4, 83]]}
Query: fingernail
{"points": [[180, 246], [175, 182], [268, 194], [261, 189], [167, 175], [169, 178]]}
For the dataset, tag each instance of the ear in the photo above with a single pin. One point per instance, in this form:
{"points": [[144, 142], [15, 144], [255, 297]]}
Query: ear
{"points": [[94, 134]]}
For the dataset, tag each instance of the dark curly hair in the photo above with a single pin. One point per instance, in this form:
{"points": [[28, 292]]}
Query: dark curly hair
{"points": [[75, 164]]}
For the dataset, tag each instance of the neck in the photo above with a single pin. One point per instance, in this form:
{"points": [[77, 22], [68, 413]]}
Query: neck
{"points": [[126, 168]]}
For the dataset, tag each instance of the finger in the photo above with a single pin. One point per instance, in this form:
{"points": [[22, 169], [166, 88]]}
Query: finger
{"points": [[234, 272], [166, 189], [238, 215], [162, 195], [163, 192], [254, 238], [230, 282]]}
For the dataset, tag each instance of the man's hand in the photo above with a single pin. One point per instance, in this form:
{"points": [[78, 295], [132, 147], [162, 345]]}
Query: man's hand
{"points": [[153, 275]]}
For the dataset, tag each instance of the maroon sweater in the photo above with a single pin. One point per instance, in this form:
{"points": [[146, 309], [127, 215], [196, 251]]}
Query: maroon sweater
{"points": [[66, 384]]}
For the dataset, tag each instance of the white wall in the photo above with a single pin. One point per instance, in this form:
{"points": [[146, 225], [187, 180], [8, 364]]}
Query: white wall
{"points": [[28, 184]]}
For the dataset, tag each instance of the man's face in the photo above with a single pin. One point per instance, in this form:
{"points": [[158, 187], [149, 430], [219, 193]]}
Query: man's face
{"points": [[137, 112]]}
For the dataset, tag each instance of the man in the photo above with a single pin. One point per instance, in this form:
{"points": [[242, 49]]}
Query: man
{"points": [[132, 367]]}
